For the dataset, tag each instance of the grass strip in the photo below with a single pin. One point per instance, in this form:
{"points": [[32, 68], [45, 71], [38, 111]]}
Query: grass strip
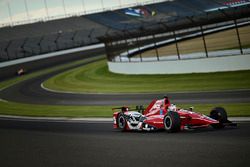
{"points": [[96, 78], [19, 109]]}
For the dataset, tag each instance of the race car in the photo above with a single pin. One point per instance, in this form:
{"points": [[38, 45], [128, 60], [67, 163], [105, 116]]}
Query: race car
{"points": [[161, 114]]}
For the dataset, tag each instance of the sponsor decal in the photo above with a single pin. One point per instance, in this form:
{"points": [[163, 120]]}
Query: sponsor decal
{"points": [[235, 2], [139, 12], [231, 3], [114, 119]]}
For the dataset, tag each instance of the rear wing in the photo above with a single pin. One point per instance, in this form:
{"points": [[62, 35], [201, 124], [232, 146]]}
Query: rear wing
{"points": [[139, 108], [121, 109]]}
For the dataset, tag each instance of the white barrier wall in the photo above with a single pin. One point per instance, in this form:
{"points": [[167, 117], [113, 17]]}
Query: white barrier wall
{"points": [[214, 64]]}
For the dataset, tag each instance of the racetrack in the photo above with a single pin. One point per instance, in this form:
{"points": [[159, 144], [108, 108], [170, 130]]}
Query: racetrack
{"points": [[44, 143], [57, 143], [30, 91]]}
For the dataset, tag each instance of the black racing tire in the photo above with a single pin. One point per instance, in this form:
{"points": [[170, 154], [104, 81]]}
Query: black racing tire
{"points": [[121, 122], [219, 114], [172, 122]]}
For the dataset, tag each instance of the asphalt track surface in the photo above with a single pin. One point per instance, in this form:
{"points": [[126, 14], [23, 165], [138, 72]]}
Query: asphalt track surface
{"points": [[30, 91], [63, 144]]}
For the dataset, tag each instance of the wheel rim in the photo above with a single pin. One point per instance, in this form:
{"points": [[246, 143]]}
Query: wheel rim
{"points": [[168, 122], [121, 122]]}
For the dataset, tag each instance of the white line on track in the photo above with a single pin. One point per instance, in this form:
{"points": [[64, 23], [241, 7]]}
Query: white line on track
{"points": [[71, 92], [56, 119], [58, 91], [85, 120], [3, 100]]}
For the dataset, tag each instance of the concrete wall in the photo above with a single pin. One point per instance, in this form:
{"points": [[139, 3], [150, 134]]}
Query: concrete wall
{"points": [[214, 64]]}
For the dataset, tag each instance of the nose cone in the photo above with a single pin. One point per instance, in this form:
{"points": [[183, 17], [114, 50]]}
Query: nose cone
{"points": [[209, 120]]}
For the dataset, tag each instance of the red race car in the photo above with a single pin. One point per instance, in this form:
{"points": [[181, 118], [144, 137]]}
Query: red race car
{"points": [[161, 114]]}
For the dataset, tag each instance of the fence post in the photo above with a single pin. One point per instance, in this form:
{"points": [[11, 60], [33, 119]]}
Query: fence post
{"points": [[111, 50], [176, 45], [107, 48], [119, 53], [127, 48], [137, 41], [156, 49], [238, 36], [204, 40]]}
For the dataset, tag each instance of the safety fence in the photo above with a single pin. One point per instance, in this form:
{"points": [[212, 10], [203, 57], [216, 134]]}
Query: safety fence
{"points": [[212, 40]]}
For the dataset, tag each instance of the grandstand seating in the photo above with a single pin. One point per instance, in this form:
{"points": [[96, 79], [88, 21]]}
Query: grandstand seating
{"points": [[31, 46], [3, 53], [48, 43], [110, 19], [43, 37], [14, 49]]}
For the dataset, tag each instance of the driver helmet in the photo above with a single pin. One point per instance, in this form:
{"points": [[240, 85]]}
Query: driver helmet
{"points": [[124, 109], [172, 107]]}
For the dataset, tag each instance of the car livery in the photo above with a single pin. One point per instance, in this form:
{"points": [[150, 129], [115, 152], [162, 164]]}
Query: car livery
{"points": [[161, 114]]}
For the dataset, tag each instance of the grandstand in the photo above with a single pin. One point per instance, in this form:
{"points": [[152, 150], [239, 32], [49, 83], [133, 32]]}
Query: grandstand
{"points": [[139, 28], [44, 37]]}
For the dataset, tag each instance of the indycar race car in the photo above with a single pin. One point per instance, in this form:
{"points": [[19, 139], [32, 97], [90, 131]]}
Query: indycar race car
{"points": [[161, 114]]}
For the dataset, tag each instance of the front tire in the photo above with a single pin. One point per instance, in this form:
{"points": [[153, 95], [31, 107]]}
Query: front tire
{"points": [[172, 122], [121, 121], [219, 114]]}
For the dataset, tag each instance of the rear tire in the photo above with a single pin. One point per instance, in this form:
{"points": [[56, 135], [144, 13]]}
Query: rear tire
{"points": [[121, 121], [172, 122], [219, 114]]}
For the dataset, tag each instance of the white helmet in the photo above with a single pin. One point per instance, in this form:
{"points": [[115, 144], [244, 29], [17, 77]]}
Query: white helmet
{"points": [[172, 107]]}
